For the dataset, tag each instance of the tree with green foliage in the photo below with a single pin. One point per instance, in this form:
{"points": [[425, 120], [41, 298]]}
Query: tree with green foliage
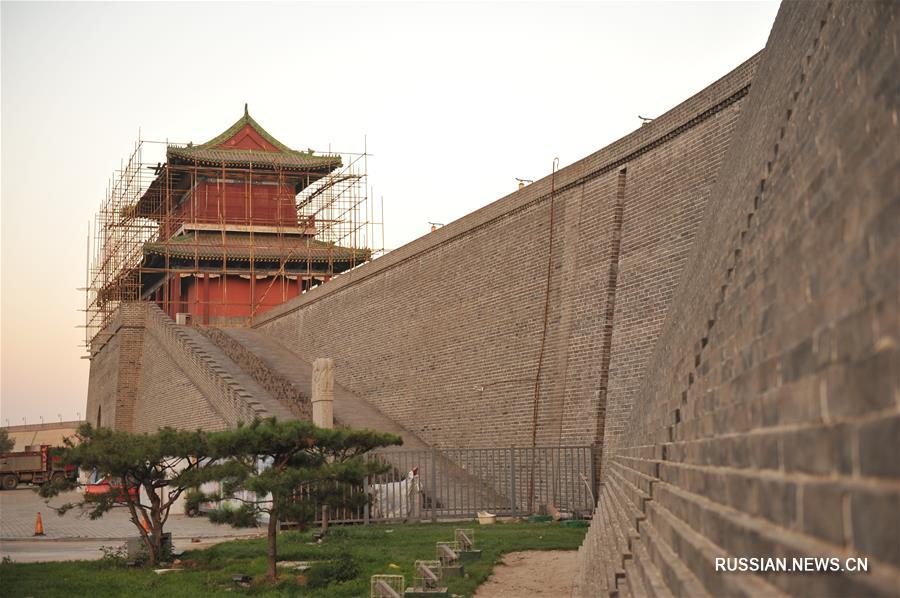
{"points": [[6, 443], [264, 465], [153, 470]]}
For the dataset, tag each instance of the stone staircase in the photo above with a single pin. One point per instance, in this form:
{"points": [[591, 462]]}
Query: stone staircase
{"points": [[232, 393], [288, 378], [269, 403]]}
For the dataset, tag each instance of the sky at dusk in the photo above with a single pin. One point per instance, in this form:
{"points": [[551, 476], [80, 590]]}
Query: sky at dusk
{"points": [[455, 100]]}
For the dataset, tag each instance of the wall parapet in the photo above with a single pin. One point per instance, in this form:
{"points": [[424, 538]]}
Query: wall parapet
{"points": [[282, 389], [128, 315], [423, 335], [209, 376], [704, 105]]}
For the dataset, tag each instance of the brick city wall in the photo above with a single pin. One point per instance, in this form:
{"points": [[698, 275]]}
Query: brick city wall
{"points": [[446, 334], [147, 372], [167, 396], [766, 422], [102, 378], [744, 387], [204, 367], [115, 370]]}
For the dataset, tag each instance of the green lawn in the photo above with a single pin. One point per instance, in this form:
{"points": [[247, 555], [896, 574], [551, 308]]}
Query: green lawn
{"points": [[374, 548]]}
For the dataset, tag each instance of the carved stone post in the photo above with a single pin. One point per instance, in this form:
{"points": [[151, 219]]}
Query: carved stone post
{"points": [[323, 392]]}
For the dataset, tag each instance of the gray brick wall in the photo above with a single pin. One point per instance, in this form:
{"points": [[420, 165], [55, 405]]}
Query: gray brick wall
{"points": [[661, 216], [115, 368], [207, 368], [765, 422], [722, 318], [146, 372], [445, 334], [103, 378], [168, 397]]}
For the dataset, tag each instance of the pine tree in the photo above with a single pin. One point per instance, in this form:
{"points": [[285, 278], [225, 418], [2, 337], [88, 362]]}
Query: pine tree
{"points": [[270, 461], [152, 471], [6, 443]]}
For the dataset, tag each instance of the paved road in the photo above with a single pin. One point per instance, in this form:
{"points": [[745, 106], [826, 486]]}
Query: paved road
{"points": [[46, 550], [76, 536]]}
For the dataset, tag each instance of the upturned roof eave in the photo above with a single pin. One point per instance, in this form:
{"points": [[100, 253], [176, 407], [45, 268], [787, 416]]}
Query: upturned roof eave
{"points": [[299, 161]]}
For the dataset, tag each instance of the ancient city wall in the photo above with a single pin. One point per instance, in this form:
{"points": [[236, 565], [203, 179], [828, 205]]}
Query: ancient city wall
{"points": [[446, 335], [115, 369], [102, 379], [167, 395], [147, 372], [766, 422]]}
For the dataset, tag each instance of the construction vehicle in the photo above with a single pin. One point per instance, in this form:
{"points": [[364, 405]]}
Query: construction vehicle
{"points": [[34, 465]]}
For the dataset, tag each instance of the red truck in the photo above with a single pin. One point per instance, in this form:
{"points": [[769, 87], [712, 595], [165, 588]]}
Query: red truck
{"points": [[34, 465]]}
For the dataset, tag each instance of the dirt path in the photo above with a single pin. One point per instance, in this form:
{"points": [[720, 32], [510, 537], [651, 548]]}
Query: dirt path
{"points": [[535, 573]]}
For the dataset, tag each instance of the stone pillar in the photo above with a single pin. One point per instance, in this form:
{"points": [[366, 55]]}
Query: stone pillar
{"points": [[323, 392]]}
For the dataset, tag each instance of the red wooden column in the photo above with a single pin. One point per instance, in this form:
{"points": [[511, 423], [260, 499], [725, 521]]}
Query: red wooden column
{"points": [[174, 295], [204, 298], [183, 304]]}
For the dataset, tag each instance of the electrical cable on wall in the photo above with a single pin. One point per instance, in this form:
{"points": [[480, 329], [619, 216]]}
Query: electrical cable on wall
{"points": [[537, 377]]}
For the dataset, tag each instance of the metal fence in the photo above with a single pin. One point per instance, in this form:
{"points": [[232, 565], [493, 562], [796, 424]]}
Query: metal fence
{"points": [[459, 482]]}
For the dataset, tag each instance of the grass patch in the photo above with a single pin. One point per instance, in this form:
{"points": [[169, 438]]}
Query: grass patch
{"points": [[372, 548]]}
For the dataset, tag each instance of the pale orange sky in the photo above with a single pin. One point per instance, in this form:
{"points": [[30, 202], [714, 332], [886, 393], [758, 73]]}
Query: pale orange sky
{"points": [[456, 100]]}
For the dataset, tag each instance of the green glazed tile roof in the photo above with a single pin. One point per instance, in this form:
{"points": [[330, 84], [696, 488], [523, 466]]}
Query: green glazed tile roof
{"points": [[266, 247], [211, 153], [242, 157]]}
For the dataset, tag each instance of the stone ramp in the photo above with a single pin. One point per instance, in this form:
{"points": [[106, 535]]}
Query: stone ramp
{"points": [[225, 364], [287, 377], [176, 377], [285, 367]]}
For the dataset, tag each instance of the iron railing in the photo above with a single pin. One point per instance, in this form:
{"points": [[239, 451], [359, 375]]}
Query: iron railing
{"points": [[457, 483]]}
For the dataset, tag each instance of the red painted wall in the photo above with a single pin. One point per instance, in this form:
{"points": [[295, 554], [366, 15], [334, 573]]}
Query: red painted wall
{"points": [[229, 296], [260, 203], [240, 203]]}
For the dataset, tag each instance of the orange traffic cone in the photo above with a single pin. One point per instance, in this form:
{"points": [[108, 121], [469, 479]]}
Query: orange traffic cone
{"points": [[38, 525], [145, 525]]}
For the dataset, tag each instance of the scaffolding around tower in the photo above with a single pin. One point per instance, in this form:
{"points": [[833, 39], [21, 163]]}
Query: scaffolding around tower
{"points": [[223, 231]]}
